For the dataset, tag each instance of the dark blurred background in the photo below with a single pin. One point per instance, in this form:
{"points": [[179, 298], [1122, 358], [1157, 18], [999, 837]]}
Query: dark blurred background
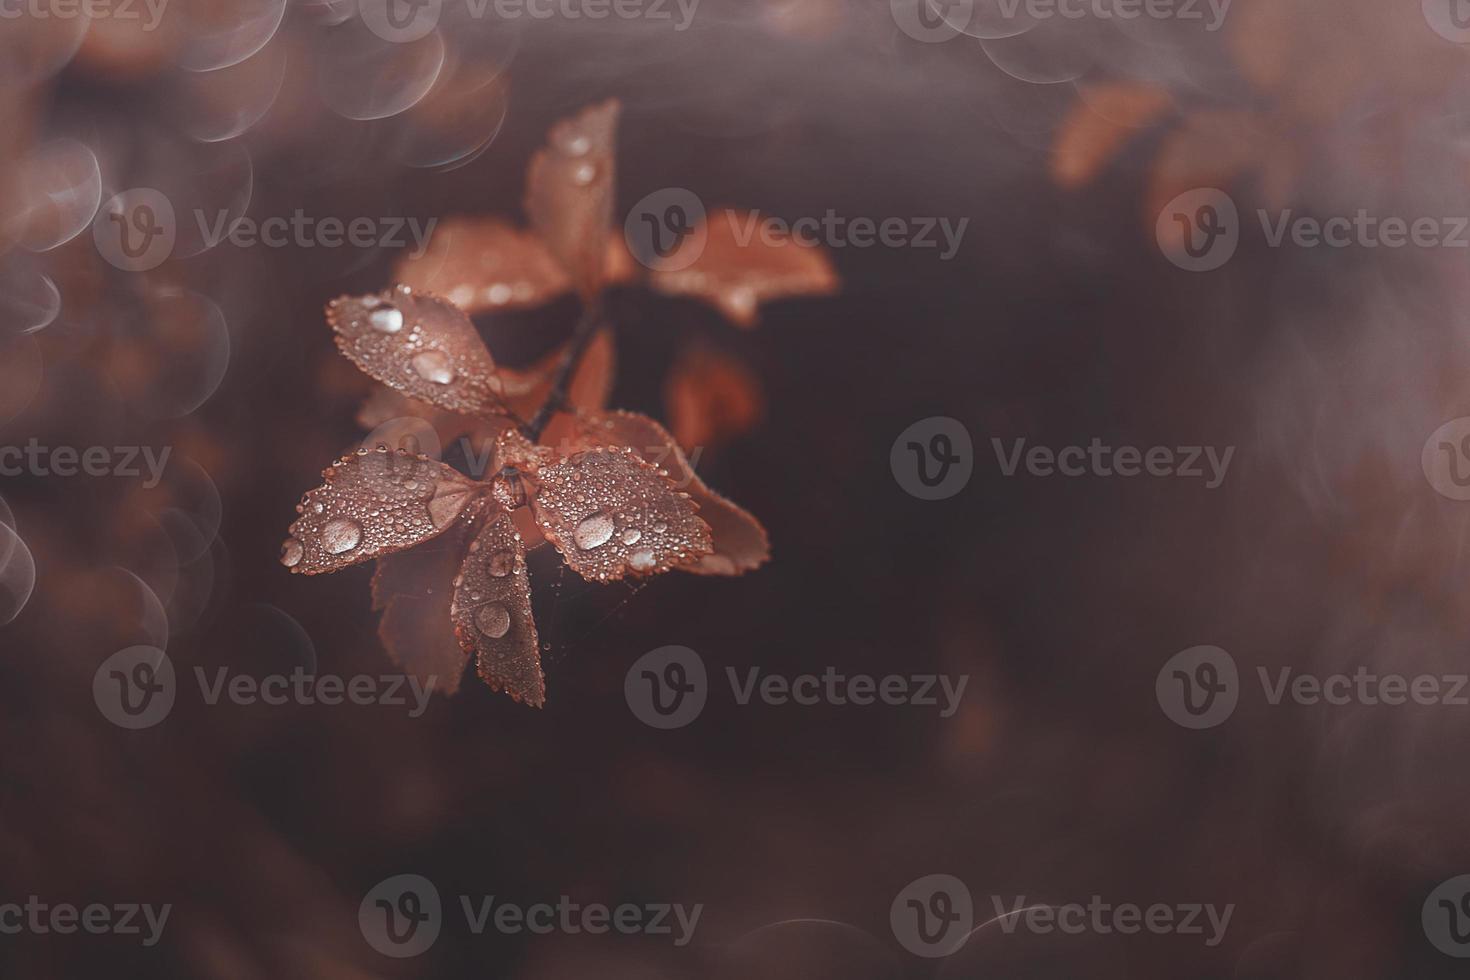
{"points": [[1059, 320]]}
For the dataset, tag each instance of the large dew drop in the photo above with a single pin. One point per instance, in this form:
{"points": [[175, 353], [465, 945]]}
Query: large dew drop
{"points": [[433, 365], [341, 535], [291, 553], [642, 560], [632, 535], [593, 532], [493, 619], [501, 563], [388, 319]]}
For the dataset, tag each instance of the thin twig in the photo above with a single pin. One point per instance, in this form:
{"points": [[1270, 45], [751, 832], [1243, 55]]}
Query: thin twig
{"points": [[561, 382]]}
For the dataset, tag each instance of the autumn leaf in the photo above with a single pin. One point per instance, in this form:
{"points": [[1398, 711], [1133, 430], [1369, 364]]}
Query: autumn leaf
{"points": [[420, 345], [612, 514], [374, 503], [569, 193], [710, 397], [738, 542], [1098, 127], [738, 272]]}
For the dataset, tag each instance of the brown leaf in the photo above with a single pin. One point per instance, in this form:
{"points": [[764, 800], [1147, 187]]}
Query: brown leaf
{"points": [[492, 613], [374, 503], [414, 590], [420, 345], [1211, 149], [569, 193], [610, 513], [711, 397], [485, 264], [1097, 128], [739, 543], [738, 273]]}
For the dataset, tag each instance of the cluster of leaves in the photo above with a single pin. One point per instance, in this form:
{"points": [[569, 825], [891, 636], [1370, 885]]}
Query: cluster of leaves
{"points": [[611, 491], [1329, 81]]}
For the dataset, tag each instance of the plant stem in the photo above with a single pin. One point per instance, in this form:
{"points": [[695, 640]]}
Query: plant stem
{"points": [[561, 381]]}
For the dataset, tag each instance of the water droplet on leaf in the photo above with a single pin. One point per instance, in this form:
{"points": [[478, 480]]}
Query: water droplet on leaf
{"points": [[341, 535], [493, 619], [388, 319], [593, 531], [433, 365]]}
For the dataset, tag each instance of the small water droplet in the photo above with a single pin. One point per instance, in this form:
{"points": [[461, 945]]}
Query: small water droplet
{"points": [[574, 145], [660, 527], [291, 553], [632, 535], [317, 508], [593, 531], [499, 294], [388, 319], [501, 563], [433, 365], [341, 535], [585, 174], [642, 560], [493, 619], [743, 299]]}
